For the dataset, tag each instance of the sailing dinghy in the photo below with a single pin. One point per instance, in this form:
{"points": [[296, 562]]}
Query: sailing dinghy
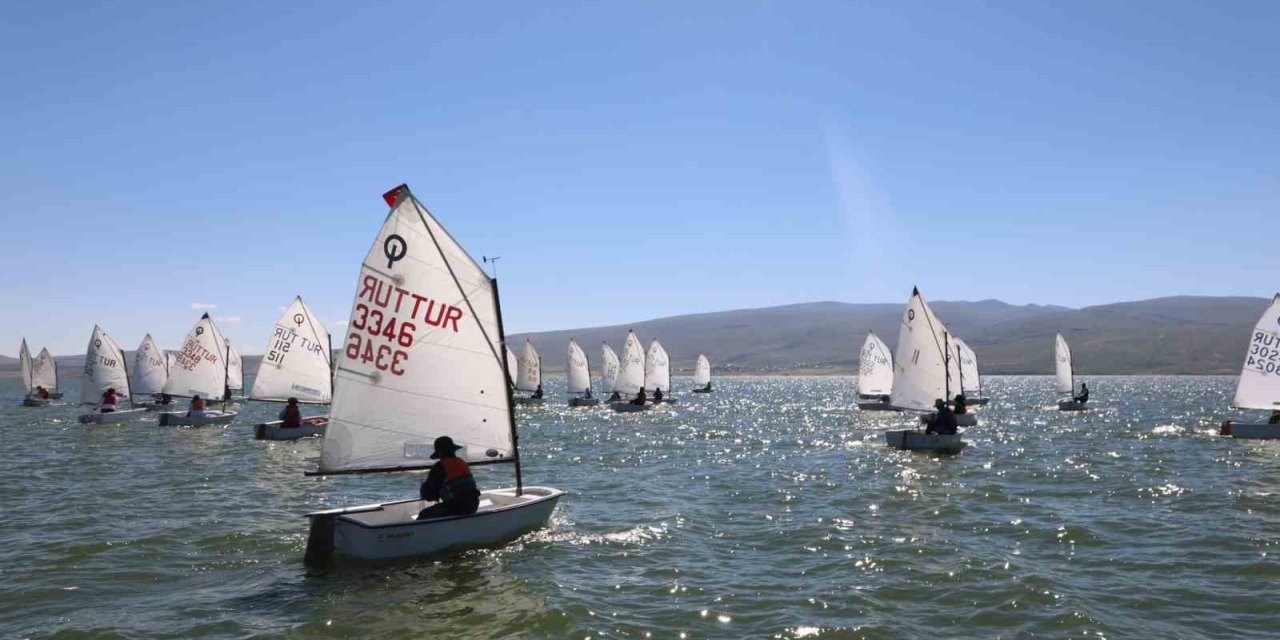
{"points": [[297, 365], [199, 369], [44, 373], [657, 374], [921, 377], [970, 378], [702, 375], [579, 378], [150, 372], [875, 375], [235, 375], [443, 372], [609, 370], [955, 382], [1259, 383], [32, 398], [529, 375], [105, 368], [630, 377], [1065, 375]]}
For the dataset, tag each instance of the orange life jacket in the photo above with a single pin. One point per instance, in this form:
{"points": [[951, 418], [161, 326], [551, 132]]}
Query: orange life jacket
{"points": [[458, 482], [197, 404], [292, 417]]}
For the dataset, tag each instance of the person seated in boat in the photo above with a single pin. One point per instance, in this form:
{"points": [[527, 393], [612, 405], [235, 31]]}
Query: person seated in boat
{"points": [[165, 399], [1275, 417], [587, 394], [960, 407], [109, 400], [708, 387], [197, 408], [657, 394], [42, 392], [943, 422], [616, 397], [537, 393], [290, 416], [450, 483], [640, 397], [226, 394], [1084, 394]]}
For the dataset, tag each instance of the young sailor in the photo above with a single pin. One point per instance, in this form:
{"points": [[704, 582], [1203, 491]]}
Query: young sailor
{"points": [[657, 394], [109, 400], [1084, 393], [708, 387], [1275, 417], [197, 408], [960, 407], [42, 392], [537, 393], [450, 482], [640, 397], [944, 421], [616, 397], [290, 416]]}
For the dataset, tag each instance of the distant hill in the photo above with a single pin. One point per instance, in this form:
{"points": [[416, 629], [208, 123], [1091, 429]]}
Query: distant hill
{"points": [[1177, 335]]}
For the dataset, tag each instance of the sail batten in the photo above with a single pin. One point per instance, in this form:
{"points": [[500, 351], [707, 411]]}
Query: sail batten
{"points": [[422, 355], [296, 363], [875, 367], [1259, 383]]}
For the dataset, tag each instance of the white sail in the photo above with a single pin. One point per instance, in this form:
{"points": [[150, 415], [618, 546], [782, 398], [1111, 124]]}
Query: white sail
{"points": [[657, 368], [235, 368], [421, 354], [579, 373], [920, 363], [150, 368], [631, 368], [970, 380], [200, 367], [104, 368], [1062, 359], [28, 366], [44, 371], [1259, 384], [609, 367], [530, 374], [875, 367], [513, 366], [296, 362], [702, 371]]}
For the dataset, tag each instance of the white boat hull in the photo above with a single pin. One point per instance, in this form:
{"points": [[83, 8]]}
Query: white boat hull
{"points": [[909, 440], [627, 407], [391, 530], [1251, 430], [584, 402], [115, 417], [180, 419], [962, 420], [274, 430], [1072, 405]]}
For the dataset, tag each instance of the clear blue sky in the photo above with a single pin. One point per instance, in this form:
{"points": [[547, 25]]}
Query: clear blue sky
{"points": [[631, 160]]}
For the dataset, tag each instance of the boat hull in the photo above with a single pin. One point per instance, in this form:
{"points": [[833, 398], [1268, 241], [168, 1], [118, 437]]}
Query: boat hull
{"points": [[55, 395], [666, 401], [910, 440], [584, 402], [962, 420], [390, 530], [35, 402], [115, 417], [627, 407], [180, 419], [1251, 430], [876, 406], [976, 402], [274, 430], [531, 401], [1072, 405], [702, 390], [156, 406]]}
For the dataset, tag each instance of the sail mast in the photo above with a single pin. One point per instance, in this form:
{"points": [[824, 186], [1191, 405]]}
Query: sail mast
{"points": [[511, 411]]}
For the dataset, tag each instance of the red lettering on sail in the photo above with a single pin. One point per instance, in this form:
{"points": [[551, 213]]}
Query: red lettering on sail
{"points": [[384, 323]]}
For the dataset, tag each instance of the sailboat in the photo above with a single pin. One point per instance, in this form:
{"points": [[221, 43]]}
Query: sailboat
{"points": [[235, 375], [199, 369], [970, 378], [630, 376], [657, 374], [875, 375], [105, 368], [920, 376], [1259, 383], [150, 372], [297, 365], [442, 373], [32, 399], [609, 368], [578, 378], [702, 375], [1065, 375], [529, 375], [44, 373]]}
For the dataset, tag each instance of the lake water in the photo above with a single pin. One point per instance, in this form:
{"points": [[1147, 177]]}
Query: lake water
{"points": [[770, 509]]}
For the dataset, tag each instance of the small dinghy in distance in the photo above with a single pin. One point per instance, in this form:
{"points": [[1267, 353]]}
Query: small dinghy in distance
{"points": [[1064, 375], [1259, 384], [105, 368], [529, 375], [609, 368], [235, 374], [199, 369], [875, 375], [630, 376], [970, 377], [27, 364], [702, 375], [297, 365], [921, 376], [44, 373], [578, 378], [150, 372], [442, 378], [657, 374]]}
